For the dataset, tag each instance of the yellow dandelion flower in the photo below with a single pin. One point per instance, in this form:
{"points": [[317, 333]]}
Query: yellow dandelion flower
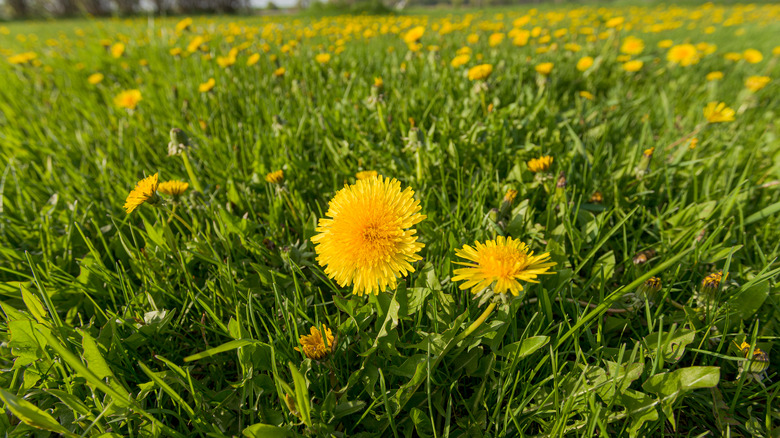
{"points": [[733, 56], [314, 345], [694, 142], [479, 72], [510, 195], [587, 95], [632, 66], [279, 72], [207, 86], [540, 164], [495, 39], [378, 82], [713, 280], [714, 76], [95, 78], [473, 38], [665, 44], [184, 24], [683, 54], [173, 188], [176, 51], [144, 191], [322, 58], [716, 112], [117, 50], [460, 60], [585, 63], [368, 241], [632, 46], [501, 264], [275, 177], [755, 83], [22, 58], [752, 56], [253, 59], [544, 68], [365, 174], [128, 99], [414, 35]]}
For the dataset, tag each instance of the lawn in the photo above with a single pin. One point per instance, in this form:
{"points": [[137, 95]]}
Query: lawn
{"points": [[515, 222]]}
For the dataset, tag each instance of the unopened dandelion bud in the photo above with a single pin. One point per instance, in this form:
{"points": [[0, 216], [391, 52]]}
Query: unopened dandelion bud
{"points": [[506, 203], [706, 296], [649, 290], [179, 142], [644, 163], [759, 362]]}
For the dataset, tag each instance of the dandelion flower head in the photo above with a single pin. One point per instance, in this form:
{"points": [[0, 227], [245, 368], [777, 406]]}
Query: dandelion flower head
{"points": [[145, 190]]}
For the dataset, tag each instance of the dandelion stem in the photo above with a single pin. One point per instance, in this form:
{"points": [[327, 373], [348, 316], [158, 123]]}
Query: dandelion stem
{"points": [[475, 325], [190, 173]]}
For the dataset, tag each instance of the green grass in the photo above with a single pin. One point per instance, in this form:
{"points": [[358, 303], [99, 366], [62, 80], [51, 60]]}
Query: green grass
{"points": [[155, 324]]}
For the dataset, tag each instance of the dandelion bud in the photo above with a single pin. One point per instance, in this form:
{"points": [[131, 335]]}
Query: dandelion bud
{"points": [[706, 296], [759, 362], [649, 290], [493, 215], [644, 163], [506, 204], [596, 198], [179, 142]]}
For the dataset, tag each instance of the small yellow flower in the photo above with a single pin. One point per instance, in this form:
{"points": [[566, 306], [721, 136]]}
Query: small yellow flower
{"points": [[275, 177], [279, 72], [632, 66], [755, 83], [718, 112], [648, 152], [173, 188], [460, 60], [22, 58], [733, 56], [378, 82], [480, 72], [510, 195], [365, 174], [694, 142], [712, 281], [322, 58], [414, 35], [314, 345], [584, 63], [117, 50], [752, 56], [665, 44], [540, 164], [128, 99], [95, 78], [714, 76], [144, 191], [587, 95], [632, 46], [253, 59], [495, 39], [501, 264], [195, 44], [473, 38], [226, 61], [683, 54], [183, 25], [176, 51], [544, 68], [207, 86]]}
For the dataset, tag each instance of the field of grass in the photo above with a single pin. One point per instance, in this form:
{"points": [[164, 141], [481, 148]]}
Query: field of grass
{"points": [[659, 208]]}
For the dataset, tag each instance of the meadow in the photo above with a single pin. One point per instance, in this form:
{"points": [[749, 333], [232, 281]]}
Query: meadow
{"points": [[558, 221]]}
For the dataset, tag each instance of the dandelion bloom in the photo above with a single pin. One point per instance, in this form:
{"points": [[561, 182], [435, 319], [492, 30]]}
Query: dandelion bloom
{"points": [[500, 264], [473, 38], [414, 35], [718, 112], [587, 95], [252, 60], [714, 76], [322, 58], [95, 78], [752, 56], [226, 61], [184, 24], [275, 177], [632, 46], [665, 44], [755, 83], [540, 164], [495, 39], [176, 51], [173, 188], [207, 86], [712, 281], [510, 195], [733, 56], [279, 72], [144, 191], [632, 66], [368, 241], [481, 71], [117, 50], [378, 82], [460, 60], [365, 174], [22, 58], [585, 63], [544, 68], [128, 99], [683, 54], [313, 346]]}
